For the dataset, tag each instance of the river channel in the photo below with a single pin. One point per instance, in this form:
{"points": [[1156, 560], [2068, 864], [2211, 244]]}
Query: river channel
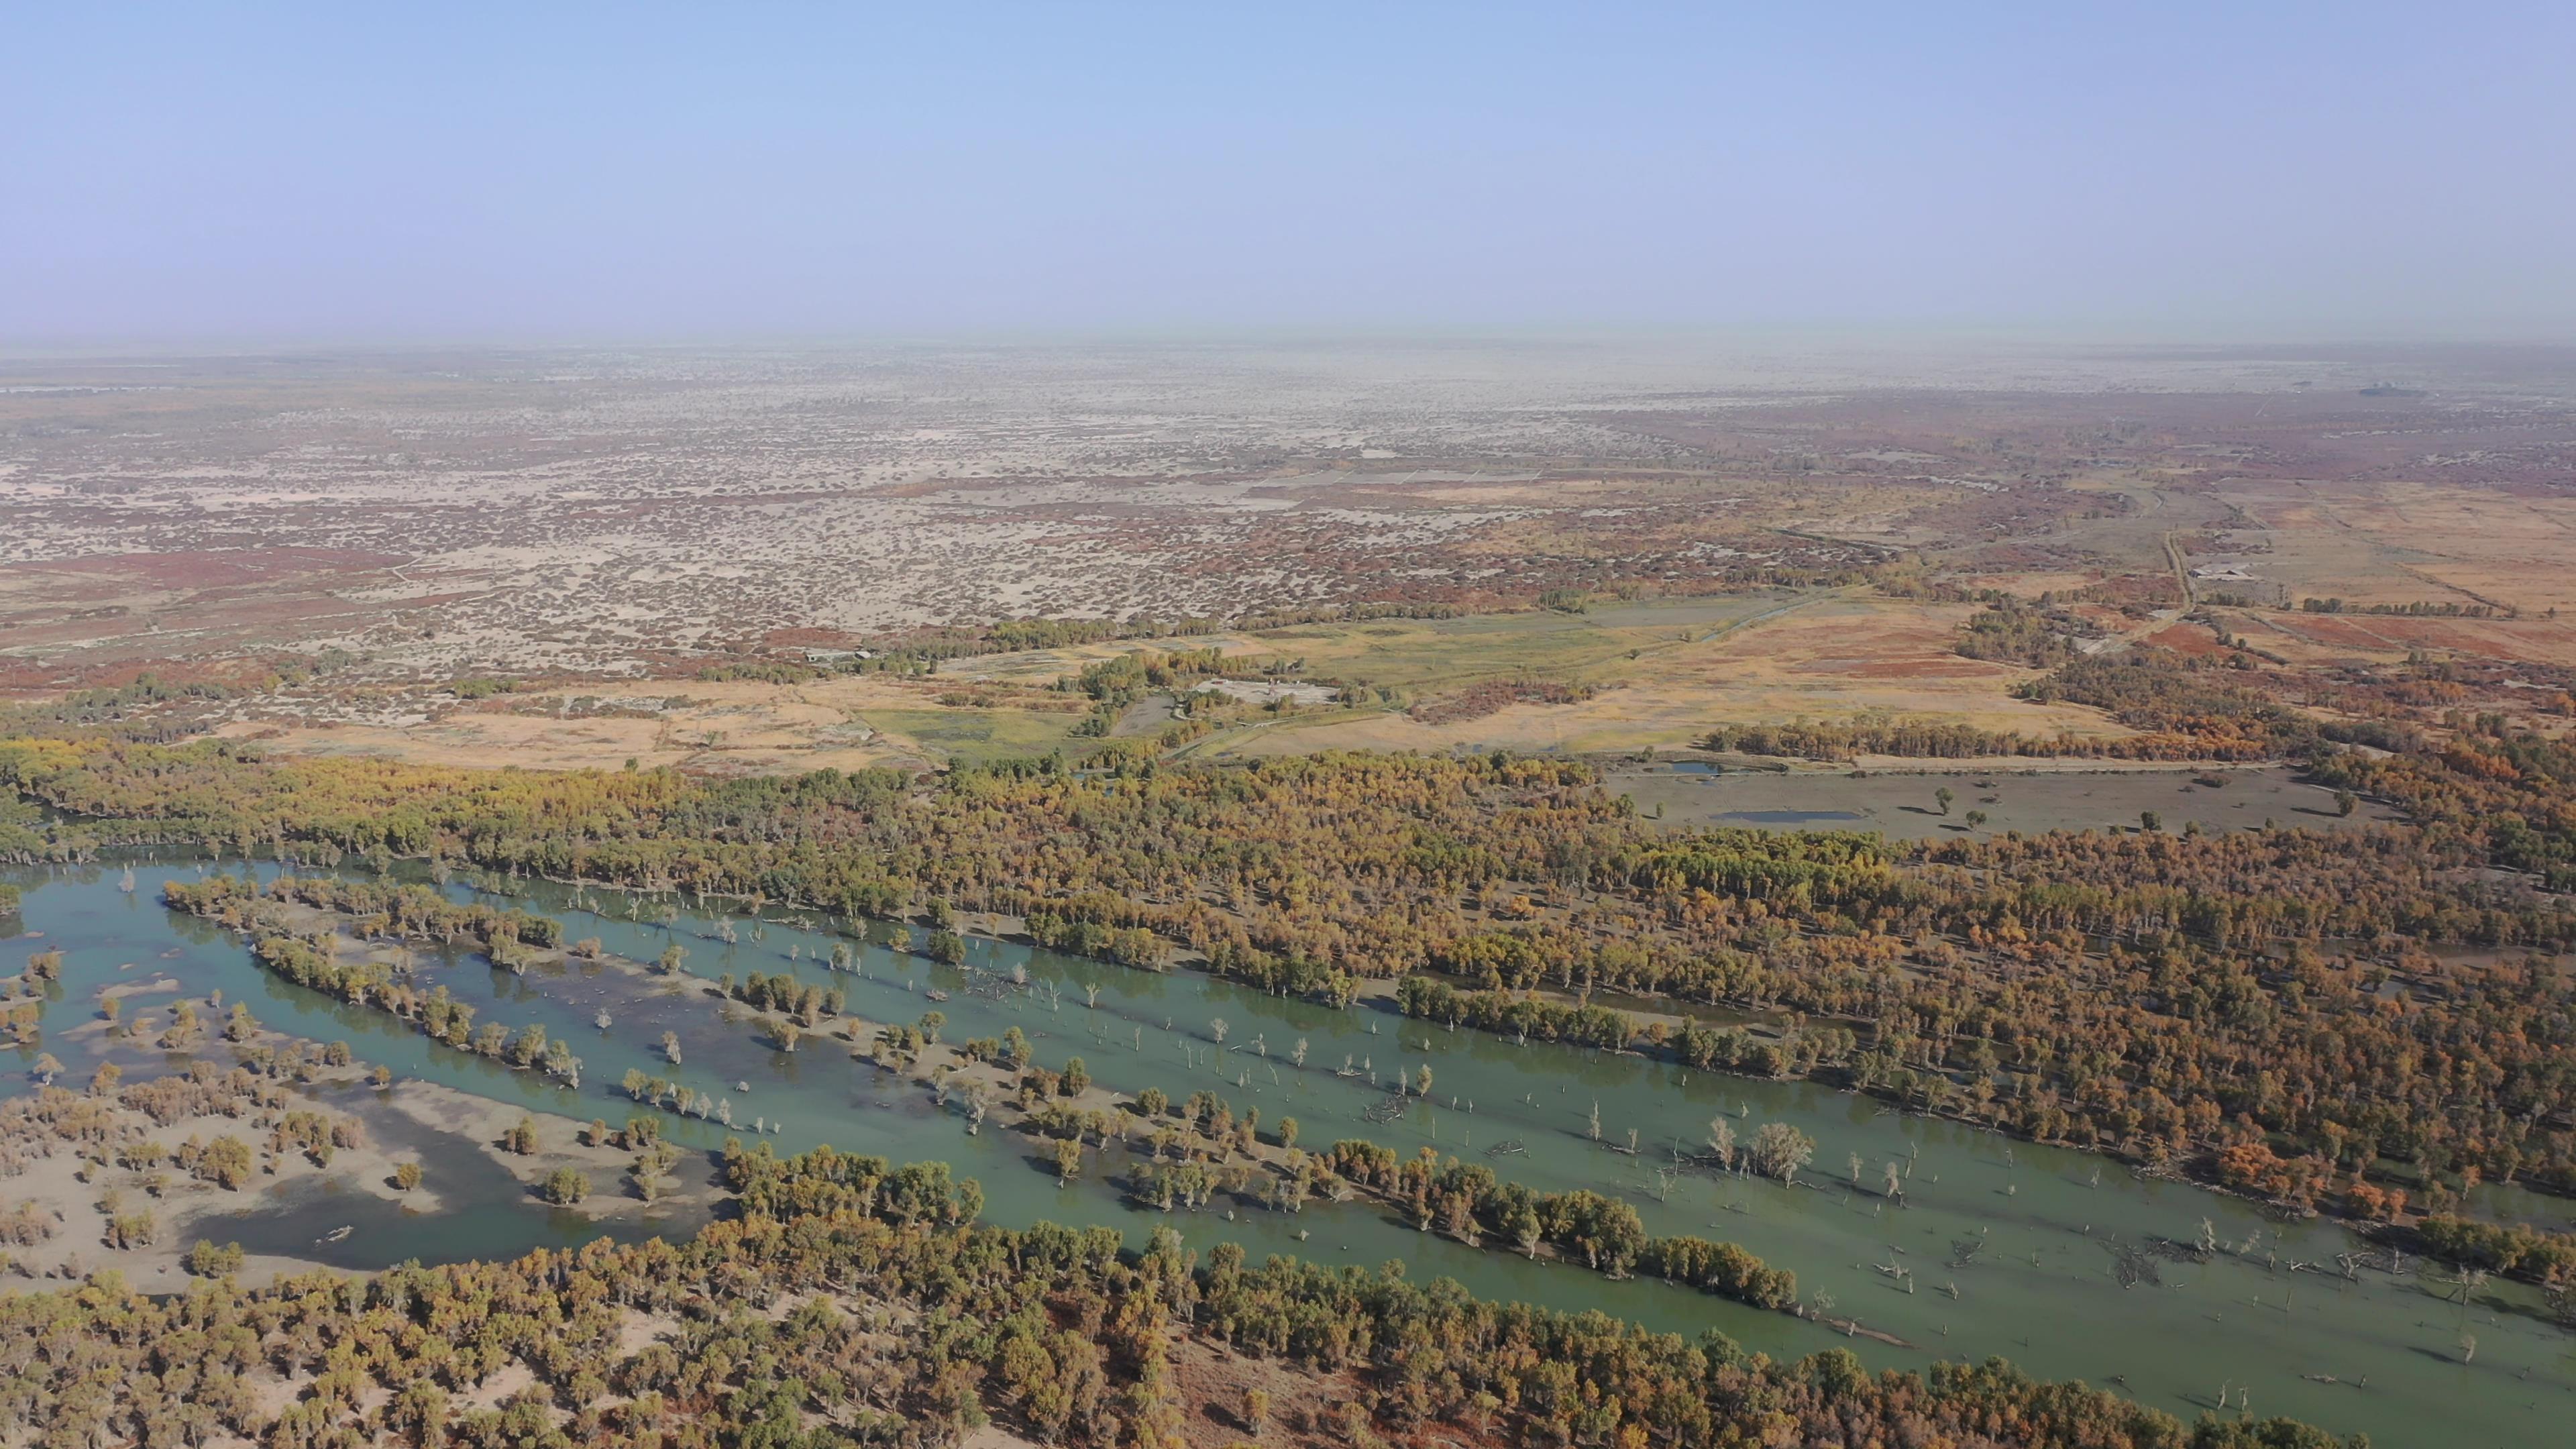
{"points": [[2029, 1237]]}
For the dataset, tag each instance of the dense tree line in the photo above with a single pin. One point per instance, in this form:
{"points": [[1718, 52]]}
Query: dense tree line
{"points": [[2166, 696], [2413, 608], [133, 711], [2013, 631], [1513, 1016], [1603, 1233], [384, 909], [2506, 1248], [2511, 793], [855, 1303], [313, 961], [2162, 996]]}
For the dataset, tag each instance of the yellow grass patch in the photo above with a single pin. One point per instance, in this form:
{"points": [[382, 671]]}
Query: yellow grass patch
{"points": [[1824, 657], [2401, 542]]}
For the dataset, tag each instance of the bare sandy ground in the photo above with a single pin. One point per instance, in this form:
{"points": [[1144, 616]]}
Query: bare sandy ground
{"points": [[55, 1184], [57, 1187], [560, 1143], [2403, 541], [731, 726]]}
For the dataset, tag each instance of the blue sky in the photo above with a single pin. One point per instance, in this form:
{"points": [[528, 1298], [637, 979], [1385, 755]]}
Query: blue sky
{"points": [[535, 172]]}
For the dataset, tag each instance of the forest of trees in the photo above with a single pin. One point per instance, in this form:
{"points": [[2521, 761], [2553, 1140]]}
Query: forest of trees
{"points": [[2010, 630], [314, 959], [2365, 1020], [856, 1303], [2163, 996], [1467, 1201]]}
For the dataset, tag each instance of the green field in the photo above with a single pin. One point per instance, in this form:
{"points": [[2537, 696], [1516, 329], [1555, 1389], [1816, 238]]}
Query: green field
{"points": [[976, 735]]}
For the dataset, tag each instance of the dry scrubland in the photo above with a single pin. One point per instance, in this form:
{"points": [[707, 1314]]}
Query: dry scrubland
{"points": [[1758, 536]]}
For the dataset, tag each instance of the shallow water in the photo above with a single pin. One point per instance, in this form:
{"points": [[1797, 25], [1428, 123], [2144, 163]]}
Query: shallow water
{"points": [[2041, 1290]]}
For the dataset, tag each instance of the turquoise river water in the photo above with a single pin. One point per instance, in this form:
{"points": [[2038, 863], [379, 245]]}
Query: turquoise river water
{"points": [[2379, 1352]]}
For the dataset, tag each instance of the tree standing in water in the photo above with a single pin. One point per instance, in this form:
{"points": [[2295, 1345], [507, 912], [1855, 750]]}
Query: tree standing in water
{"points": [[1781, 1150]]}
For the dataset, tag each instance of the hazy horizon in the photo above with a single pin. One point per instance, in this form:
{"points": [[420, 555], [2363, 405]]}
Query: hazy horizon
{"points": [[637, 176]]}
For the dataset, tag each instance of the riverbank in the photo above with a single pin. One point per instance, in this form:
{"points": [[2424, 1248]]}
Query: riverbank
{"points": [[133, 1168], [2039, 1274], [1213, 1156], [1650, 1037]]}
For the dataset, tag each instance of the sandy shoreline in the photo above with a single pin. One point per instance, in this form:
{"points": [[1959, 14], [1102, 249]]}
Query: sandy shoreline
{"points": [[1109, 1123], [83, 1159]]}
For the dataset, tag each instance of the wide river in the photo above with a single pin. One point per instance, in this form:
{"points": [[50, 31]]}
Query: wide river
{"points": [[2382, 1353]]}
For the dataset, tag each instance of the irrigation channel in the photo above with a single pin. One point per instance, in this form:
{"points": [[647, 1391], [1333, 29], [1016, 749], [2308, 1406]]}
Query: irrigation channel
{"points": [[2048, 1257]]}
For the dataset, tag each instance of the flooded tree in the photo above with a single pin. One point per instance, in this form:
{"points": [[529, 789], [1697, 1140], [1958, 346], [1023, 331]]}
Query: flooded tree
{"points": [[1780, 1150]]}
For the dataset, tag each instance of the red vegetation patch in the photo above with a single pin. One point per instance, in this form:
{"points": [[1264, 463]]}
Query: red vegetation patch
{"points": [[218, 568], [26, 680], [2150, 589], [2189, 639], [1479, 700]]}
